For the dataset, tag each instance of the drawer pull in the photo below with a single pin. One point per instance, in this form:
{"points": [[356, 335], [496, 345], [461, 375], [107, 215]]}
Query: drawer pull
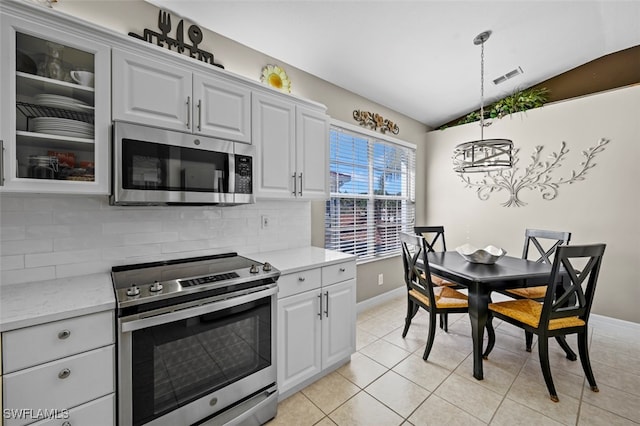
{"points": [[342, 269], [301, 279], [64, 334], [64, 373], [66, 424]]}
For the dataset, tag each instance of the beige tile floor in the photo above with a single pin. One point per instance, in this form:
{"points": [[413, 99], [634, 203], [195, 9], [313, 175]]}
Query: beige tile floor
{"points": [[388, 383]]}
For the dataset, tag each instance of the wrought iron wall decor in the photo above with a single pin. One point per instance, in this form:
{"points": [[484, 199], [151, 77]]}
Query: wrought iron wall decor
{"points": [[537, 175], [194, 33], [375, 121]]}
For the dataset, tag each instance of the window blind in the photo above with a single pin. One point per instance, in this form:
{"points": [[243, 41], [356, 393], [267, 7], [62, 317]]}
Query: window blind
{"points": [[372, 194]]}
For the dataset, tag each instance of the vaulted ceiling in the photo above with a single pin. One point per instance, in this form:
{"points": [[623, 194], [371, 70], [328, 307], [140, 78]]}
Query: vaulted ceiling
{"points": [[418, 57]]}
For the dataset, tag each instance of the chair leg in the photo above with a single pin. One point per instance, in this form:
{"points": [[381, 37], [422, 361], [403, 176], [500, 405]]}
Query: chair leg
{"points": [[491, 334], [562, 341], [528, 338], [412, 309], [543, 350], [583, 349], [432, 335], [444, 322]]}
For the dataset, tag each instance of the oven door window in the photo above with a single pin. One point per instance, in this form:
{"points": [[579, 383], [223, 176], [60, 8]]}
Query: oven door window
{"points": [[154, 166], [179, 362]]}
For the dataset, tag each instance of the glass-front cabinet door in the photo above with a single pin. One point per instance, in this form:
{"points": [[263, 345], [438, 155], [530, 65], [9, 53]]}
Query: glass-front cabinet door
{"points": [[54, 109]]}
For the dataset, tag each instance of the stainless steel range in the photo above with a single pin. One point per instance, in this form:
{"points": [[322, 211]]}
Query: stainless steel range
{"points": [[196, 341]]}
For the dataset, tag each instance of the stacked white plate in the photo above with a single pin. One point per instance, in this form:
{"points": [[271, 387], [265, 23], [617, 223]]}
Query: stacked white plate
{"points": [[62, 127], [64, 102]]}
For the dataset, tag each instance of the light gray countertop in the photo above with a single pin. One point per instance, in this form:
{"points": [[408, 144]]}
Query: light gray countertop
{"points": [[24, 305], [301, 258]]}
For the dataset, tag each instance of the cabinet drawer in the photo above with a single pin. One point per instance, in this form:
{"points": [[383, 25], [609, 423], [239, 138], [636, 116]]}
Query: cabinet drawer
{"points": [[339, 272], [60, 384], [298, 282], [100, 412], [35, 345]]}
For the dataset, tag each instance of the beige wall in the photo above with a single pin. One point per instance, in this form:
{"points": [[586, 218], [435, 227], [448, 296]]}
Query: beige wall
{"points": [[602, 208], [135, 15]]}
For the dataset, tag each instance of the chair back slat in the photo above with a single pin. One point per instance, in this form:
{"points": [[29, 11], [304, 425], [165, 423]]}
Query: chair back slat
{"points": [[416, 267], [570, 290], [536, 237], [431, 235]]}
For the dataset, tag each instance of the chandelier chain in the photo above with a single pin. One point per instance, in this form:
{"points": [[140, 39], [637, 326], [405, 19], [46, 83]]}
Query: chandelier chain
{"points": [[482, 90]]}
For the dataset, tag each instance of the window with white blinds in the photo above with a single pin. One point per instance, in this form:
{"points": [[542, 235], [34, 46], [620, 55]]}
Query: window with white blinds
{"points": [[372, 194]]}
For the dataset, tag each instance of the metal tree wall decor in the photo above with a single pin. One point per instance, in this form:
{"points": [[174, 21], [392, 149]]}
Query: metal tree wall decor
{"points": [[375, 121], [536, 176], [194, 33]]}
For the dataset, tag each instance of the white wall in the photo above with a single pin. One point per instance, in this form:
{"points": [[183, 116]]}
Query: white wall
{"points": [[603, 208]]}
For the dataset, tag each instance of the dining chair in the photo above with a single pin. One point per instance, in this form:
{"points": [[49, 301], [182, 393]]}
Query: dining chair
{"points": [[565, 309], [434, 241], [423, 293], [545, 244]]}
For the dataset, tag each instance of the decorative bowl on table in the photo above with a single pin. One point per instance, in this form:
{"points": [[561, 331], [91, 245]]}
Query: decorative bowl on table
{"points": [[487, 256]]}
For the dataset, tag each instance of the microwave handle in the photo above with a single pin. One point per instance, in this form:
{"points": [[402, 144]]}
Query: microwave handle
{"points": [[188, 112], [1, 163], [232, 174]]}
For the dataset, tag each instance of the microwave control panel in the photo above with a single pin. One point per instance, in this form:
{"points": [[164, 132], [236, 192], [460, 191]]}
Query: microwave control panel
{"points": [[244, 172]]}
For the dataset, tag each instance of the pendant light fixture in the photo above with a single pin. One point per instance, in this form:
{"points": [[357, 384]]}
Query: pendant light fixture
{"points": [[484, 155]]}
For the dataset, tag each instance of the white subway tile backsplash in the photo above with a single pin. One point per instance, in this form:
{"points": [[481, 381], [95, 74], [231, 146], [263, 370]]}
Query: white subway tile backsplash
{"points": [[45, 237], [27, 275], [61, 258], [12, 262], [10, 247]]}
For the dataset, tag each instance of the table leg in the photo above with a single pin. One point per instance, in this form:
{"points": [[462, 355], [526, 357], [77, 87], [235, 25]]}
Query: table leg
{"points": [[478, 308]]}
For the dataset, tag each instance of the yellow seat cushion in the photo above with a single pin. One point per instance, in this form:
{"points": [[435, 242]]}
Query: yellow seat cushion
{"points": [[445, 298], [441, 281], [528, 312], [530, 292]]}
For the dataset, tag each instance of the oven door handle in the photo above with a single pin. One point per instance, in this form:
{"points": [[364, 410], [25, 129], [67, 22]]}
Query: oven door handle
{"points": [[189, 312]]}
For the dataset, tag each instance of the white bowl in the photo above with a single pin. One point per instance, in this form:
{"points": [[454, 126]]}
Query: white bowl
{"points": [[488, 255]]}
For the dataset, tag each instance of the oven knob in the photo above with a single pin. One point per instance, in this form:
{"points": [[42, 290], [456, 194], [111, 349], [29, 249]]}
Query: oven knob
{"points": [[254, 269], [155, 287], [266, 267], [133, 290]]}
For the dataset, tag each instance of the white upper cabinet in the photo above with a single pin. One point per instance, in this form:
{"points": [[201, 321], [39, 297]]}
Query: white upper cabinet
{"points": [[223, 109], [158, 93], [292, 145], [54, 108]]}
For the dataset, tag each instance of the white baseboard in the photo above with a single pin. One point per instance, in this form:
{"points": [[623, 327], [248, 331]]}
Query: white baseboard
{"points": [[596, 320], [380, 299]]}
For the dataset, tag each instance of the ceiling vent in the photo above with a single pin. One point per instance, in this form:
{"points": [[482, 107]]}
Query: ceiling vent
{"points": [[507, 76]]}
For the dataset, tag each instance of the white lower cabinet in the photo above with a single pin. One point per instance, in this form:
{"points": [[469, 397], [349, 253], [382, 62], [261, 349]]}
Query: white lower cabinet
{"points": [[316, 324], [60, 373]]}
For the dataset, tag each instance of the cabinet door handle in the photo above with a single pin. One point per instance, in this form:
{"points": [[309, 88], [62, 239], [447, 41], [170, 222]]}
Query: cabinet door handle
{"points": [[326, 306], [295, 186], [1, 163], [64, 373], [199, 114], [320, 303], [188, 112], [300, 184], [64, 334]]}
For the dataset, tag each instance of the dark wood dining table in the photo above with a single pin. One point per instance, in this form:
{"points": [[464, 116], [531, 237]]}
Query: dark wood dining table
{"points": [[481, 280]]}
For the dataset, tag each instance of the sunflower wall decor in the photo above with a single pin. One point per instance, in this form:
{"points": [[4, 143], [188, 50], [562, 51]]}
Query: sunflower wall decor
{"points": [[276, 77]]}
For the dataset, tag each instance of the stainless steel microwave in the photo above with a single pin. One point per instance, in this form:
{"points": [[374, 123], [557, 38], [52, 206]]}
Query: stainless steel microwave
{"points": [[153, 166]]}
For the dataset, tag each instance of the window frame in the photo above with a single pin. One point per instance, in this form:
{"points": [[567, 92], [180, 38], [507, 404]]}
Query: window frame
{"points": [[406, 201]]}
